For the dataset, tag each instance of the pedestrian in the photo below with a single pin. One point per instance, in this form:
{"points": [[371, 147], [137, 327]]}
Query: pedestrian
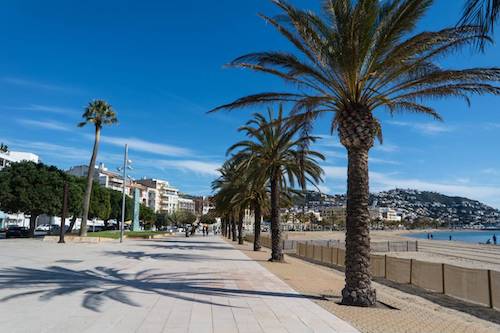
{"points": [[428, 236], [450, 237], [495, 239], [432, 237]]}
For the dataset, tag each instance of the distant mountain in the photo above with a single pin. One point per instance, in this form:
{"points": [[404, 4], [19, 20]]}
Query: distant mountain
{"points": [[412, 204]]}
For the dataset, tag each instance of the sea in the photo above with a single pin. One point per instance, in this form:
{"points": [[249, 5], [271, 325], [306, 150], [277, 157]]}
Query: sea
{"points": [[479, 236]]}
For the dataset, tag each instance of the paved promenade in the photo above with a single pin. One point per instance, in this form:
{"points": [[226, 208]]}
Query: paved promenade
{"points": [[166, 285]]}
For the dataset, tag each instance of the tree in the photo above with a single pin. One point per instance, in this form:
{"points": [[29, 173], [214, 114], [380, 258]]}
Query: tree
{"points": [[481, 13], [227, 186], [281, 151], [181, 217], [100, 205], [31, 188], [76, 191], [209, 218], [99, 113], [4, 148], [116, 199], [161, 220], [253, 191], [147, 216], [355, 58]]}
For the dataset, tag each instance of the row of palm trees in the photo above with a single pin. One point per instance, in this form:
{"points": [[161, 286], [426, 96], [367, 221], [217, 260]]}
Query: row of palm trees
{"points": [[274, 158], [353, 61]]}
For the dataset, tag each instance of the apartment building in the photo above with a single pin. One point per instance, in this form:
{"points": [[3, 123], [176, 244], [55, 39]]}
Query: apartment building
{"points": [[161, 196]]}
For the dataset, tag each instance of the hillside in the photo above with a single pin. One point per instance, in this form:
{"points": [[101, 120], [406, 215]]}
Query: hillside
{"points": [[413, 204]]}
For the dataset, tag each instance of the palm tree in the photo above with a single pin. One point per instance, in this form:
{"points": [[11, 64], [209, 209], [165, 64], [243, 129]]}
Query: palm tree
{"points": [[356, 58], [98, 113], [280, 149], [226, 186], [481, 13], [252, 193]]}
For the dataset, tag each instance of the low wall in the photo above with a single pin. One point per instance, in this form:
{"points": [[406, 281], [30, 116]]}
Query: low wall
{"points": [[467, 284], [477, 286], [398, 270], [288, 246], [427, 275], [78, 239]]}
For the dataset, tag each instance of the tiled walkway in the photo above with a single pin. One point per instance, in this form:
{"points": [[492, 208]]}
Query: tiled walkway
{"points": [[169, 285]]}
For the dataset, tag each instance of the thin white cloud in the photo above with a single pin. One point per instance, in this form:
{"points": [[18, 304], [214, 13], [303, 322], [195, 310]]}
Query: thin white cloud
{"points": [[333, 154], [324, 189], [386, 148], [47, 124], [44, 108], [327, 140], [147, 146], [27, 83], [424, 128], [376, 160], [491, 172], [197, 167]]}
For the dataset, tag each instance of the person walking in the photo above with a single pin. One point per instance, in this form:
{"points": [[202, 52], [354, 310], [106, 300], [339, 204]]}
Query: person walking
{"points": [[494, 239]]}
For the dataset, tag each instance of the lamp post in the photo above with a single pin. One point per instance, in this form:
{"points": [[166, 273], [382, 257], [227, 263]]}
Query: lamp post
{"points": [[126, 165]]}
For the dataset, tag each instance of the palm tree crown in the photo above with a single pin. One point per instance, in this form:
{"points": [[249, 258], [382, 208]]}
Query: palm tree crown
{"points": [[99, 113], [359, 58], [277, 152], [481, 13]]}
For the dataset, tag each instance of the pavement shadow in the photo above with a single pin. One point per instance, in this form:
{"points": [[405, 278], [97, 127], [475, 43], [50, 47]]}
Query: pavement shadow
{"points": [[103, 284], [171, 256]]}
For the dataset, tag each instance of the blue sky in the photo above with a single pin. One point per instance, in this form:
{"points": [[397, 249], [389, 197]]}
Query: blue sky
{"points": [[160, 64]]}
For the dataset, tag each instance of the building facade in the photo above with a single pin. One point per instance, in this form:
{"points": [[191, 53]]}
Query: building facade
{"points": [[7, 158]]}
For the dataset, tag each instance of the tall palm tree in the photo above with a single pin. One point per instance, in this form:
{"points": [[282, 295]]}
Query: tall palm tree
{"points": [[356, 58], [281, 150], [99, 113], [482, 13]]}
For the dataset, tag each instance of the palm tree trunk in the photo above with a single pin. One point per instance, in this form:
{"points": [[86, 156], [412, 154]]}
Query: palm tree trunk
{"points": [[240, 227], [276, 248], [33, 218], [256, 224], [358, 289], [223, 227], [90, 179], [233, 228]]}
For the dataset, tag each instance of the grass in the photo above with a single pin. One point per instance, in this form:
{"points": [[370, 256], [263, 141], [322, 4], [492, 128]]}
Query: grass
{"points": [[115, 234]]}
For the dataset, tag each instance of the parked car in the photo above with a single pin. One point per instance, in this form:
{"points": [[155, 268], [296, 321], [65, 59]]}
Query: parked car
{"points": [[17, 232], [43, 227]]}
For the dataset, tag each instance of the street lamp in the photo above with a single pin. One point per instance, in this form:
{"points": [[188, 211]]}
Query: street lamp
{"points": [[126, 166]]}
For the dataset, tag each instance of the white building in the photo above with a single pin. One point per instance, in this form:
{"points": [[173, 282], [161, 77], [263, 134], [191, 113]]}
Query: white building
{"points": [[186, 205], [161, 196], [16, 156], [384, 214], [111, 180]]}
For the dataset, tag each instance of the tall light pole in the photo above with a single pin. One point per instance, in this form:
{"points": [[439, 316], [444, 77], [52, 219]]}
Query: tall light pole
{"points": [[126, 165]]}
